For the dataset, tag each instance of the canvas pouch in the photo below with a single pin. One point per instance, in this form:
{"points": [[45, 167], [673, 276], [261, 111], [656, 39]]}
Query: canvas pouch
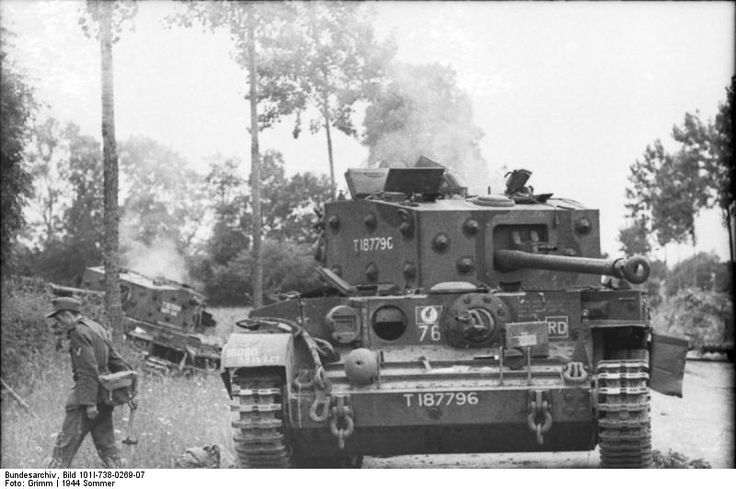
{"points": [[119, 387]]}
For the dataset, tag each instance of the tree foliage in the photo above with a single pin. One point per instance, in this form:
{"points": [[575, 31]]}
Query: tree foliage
{"points": [[16, 110], [422, 111], [668, 190], [164, 198], [706, 318], [703, 271], [634, 238], [341, 64], [289, 203], [278, 90], [288, 266], [78, 233], [48, 158]]}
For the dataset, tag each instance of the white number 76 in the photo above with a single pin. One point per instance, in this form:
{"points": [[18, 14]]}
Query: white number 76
{"points": [[434, 332]]}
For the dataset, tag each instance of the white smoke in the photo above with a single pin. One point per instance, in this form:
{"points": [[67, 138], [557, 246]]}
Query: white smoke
{"points": [[436, 122], [159, 259]]}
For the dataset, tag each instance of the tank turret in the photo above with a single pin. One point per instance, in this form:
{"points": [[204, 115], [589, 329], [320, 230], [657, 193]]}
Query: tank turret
{"points": [[416, 227]]}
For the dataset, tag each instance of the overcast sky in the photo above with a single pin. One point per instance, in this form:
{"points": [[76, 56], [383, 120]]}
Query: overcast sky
{"points": [[573, 92]]}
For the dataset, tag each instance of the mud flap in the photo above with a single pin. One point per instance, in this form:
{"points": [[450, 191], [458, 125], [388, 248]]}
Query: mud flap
{"points": [[250, 350], [667, 364]]}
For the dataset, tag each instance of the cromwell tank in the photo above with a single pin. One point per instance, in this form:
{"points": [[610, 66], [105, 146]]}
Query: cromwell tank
{"points": [[451, 324]]}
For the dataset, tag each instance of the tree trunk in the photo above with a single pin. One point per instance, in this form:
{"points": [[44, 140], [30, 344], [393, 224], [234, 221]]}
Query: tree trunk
{"points": [[329, 152], [255, 172], [728, 218], [111, 252]]}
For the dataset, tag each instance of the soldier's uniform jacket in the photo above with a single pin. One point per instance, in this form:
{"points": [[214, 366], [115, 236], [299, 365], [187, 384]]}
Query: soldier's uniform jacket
{"points": [[92, 355]]}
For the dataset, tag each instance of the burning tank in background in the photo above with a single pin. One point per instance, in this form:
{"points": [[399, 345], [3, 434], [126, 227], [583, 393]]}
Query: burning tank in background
{"points": [[166, 318], [451, 323]]}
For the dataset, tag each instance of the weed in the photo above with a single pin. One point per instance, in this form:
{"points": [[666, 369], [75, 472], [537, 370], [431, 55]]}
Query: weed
{"points": [[676, 460]]}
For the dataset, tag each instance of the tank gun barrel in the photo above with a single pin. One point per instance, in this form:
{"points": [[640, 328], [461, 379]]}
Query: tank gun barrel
{"points": [[635, 269]]}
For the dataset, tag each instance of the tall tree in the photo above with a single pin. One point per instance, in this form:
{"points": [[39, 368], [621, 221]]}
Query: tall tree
{"points": [[665, 194], [16, 110], [669, 190], [422, 111], [109, 16], [342, 64], [261, 33]]}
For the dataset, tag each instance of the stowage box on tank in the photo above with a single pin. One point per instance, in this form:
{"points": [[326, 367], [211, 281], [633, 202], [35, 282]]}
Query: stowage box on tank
{"points": [[451, 323]]}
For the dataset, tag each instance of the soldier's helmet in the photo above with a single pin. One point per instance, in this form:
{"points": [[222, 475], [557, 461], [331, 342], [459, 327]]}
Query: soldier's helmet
{"points": [[64, 304]]}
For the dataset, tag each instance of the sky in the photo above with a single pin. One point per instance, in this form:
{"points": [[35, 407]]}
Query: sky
{"points": [[573, 92]]}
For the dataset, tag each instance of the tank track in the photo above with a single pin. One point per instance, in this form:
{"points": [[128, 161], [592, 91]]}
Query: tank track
{"points": [[259, 433], [624, 431]]}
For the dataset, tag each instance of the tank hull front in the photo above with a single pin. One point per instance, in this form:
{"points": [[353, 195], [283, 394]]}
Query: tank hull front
{"points": [[458, 408]]}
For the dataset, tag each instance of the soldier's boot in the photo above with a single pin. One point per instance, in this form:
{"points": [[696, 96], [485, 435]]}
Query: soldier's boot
{"points": [[116, 462]]}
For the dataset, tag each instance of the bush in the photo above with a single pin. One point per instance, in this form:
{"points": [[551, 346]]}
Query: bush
{"points": [[27, 338], [287, 266], [705, 318]]}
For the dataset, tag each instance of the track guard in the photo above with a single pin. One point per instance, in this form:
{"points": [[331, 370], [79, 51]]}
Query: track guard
{"points": [[253, 350], [667, 364]]}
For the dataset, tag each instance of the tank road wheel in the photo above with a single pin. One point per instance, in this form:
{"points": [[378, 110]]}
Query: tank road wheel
{"points": [[624, 431], [258, 431]]}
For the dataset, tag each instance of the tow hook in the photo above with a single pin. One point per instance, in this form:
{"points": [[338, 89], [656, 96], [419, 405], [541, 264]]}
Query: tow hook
{"points": [[574, 373], [341, 422], [539, 419]]}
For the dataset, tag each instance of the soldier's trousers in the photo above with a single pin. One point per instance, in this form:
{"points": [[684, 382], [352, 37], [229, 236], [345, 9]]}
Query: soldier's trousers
{"points": [[75, 428]]}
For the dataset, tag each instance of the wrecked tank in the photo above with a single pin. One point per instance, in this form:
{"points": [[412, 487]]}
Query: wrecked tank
{"points": [[166, 318], [451, 323]]}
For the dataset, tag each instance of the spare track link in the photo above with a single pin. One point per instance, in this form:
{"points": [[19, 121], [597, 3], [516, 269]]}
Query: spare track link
{"points": [[624, 430], [258, 428]]}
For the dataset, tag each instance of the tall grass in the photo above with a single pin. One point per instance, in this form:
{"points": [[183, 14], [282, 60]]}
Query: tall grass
{"points": [[175, 412]]}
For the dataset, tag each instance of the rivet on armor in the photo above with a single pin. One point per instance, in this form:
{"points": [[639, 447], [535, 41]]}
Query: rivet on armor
{"points": [[370, 221], [407, 226], [465, 265], [409, 270], [440, 243], [471, 227], [334, 222], [583, 226], [371, 272]]}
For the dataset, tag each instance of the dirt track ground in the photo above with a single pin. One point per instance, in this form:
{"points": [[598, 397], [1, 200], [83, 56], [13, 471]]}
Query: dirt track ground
{"points": [[699, 426]]}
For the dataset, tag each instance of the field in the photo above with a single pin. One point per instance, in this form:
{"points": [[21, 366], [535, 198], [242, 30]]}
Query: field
{"points": [[175, 413]]}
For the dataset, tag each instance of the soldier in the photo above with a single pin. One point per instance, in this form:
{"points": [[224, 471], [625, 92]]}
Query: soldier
{"points": [[92, 354]]}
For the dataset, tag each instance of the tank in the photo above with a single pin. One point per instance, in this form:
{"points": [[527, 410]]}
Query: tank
{"points": [[451, 323], [166, 318]]}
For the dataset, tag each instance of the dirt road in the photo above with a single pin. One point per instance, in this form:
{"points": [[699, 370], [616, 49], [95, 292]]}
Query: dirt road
{"points": [[700, 426]]}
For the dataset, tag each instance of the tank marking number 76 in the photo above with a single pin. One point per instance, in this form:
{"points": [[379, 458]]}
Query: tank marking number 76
{"points": [[376, 243], [438, 399]]}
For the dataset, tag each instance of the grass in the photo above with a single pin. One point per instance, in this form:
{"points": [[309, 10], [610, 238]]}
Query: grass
{"points": [[175, 412]]}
